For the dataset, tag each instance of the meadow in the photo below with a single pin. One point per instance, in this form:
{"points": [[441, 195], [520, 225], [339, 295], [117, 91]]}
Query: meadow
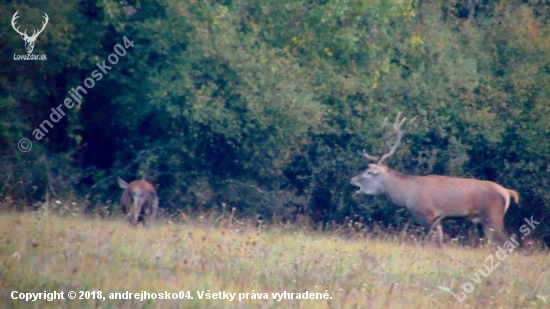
{"points": [[41, 253]]}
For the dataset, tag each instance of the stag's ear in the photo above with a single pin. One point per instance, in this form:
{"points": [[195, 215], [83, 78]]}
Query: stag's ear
{"points": [[375, 169], [123, 184]]}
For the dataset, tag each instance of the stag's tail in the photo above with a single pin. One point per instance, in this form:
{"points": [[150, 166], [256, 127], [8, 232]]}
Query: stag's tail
{"points": [[506, 194], [515, 195]]}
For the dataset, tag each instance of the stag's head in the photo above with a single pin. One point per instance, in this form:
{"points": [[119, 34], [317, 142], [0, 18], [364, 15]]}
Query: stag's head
{"points": [[133, 194], [29, 40], [372, 180]]}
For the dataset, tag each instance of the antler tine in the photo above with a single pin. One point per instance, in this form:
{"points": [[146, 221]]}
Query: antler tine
{"points": [[388, 149], [385, 136], [398, 124], [43, 26], [396, 131], [13, 22], [368, 156], [384, 126], [410, 122]]}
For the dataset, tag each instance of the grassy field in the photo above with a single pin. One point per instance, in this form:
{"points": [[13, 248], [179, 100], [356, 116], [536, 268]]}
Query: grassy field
{"points": [[45, 253]]}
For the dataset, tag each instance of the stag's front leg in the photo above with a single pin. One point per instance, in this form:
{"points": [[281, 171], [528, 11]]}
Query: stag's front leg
{"points": [[439, 235], [434, 233], [430, 223], [438, 230], [133, 214], [131, 218]]}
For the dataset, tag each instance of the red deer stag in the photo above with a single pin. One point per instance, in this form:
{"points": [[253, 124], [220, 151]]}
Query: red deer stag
{"points": [[138, 196], [433, 198]]}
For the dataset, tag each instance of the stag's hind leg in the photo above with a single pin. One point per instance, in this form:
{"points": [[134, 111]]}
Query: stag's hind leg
{"points": [[493, 228], [495, 234], [494, 231], [492, 217]]}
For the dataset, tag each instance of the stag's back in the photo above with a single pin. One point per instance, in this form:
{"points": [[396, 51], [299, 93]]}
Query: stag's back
{"points": [[462, 196]]}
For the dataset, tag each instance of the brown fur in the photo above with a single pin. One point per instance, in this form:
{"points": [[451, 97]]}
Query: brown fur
{"points": [[433, 198], [137, 196]]}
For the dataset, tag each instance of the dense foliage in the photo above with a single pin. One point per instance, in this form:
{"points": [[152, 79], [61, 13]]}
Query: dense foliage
{"points": [[263, 105]]}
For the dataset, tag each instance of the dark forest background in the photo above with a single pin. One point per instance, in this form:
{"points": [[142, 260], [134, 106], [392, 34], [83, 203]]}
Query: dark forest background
{"points": [[263, 105]]}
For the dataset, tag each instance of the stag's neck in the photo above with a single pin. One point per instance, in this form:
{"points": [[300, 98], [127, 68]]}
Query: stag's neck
{"points": [[399, 187]]}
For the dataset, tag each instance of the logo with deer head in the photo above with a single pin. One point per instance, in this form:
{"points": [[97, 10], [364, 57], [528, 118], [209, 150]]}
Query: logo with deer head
{"points": [[29, 40]]}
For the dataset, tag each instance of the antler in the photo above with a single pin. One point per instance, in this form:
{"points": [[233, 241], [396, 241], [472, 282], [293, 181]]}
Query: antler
{"points": [[13, 24], [387, 148], [43, 26], [34, 33]]}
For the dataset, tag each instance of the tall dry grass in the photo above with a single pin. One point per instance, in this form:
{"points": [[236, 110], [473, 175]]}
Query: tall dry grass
{"points": [[40, 252]]}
